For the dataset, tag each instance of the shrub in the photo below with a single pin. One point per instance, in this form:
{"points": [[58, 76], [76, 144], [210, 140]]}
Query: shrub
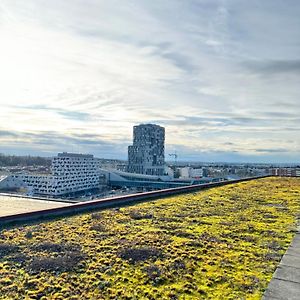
{"points": [[134, 255], [29, 235], [6, 249], [65, 263], [273, 256], [137, 215], [155, 274], [98, 227], [184, 234], [248, 238], [273, 245], [52, 247], [178, 264], [152, 271], [209, 238], [96, 216], [18, 259]]}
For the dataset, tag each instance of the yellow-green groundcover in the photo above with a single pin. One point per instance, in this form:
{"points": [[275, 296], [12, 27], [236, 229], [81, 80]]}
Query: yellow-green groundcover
{"points": [[221, 243]]}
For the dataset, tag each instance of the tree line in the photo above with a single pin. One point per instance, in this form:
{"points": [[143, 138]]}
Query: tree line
{"points": [[14, 160]]}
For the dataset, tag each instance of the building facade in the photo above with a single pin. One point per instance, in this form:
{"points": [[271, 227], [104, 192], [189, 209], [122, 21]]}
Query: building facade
{"points": [[147, 153], [8, 182], [292, 172], [188, 172], [70, 173]]}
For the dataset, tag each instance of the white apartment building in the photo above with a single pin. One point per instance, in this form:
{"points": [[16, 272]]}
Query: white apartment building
{"points": [[70, 173], [188, 172]]}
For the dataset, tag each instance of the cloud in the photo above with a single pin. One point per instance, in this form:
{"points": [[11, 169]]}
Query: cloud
{"points": [[273, 150], [221, 76], [54, 142], [274, 67], [6, 133], [69, 114]]}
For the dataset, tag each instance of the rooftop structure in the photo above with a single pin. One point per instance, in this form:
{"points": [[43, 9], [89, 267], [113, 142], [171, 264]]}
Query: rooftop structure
{"points": [[147, 154], [74, 155], [120, 179], [10, 205]]}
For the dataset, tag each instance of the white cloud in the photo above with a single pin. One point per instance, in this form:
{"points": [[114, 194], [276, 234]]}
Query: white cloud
{"points": [[98, 67]]}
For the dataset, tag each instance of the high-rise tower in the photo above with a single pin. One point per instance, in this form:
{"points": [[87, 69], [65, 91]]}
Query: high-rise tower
{"points": [[147, 154]]}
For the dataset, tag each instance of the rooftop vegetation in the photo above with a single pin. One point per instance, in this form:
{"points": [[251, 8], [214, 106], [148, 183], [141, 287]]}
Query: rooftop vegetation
{"points": [[221, 243]]}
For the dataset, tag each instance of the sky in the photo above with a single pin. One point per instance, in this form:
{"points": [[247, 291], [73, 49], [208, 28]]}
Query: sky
{"points": [[223, 77]]}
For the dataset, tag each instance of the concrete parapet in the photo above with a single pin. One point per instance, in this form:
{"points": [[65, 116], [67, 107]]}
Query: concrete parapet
{"points": [[285, 283], [110, 202]]}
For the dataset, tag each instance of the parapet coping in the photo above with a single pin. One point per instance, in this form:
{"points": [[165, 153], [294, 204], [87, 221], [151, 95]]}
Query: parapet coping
{"points": [[117, 201], [38, 198], [285, 283]]}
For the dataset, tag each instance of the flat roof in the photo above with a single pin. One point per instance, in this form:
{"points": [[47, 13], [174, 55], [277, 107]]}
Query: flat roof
{"points": [[148, 125], [67, 154], [10, 205]]}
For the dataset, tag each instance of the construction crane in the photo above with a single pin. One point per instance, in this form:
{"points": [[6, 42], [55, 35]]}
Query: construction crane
{"points": [[175, 157]]}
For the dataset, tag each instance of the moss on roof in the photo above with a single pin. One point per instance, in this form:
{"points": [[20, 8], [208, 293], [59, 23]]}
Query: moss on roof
{"points": [[222, 243]]}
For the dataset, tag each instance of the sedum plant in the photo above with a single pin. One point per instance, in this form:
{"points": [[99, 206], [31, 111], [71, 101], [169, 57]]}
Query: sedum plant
{"points": [[220, 243]]}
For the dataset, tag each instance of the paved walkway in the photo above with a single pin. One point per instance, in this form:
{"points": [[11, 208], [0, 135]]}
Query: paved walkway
{"points": [[285, 284], [14, 205]]}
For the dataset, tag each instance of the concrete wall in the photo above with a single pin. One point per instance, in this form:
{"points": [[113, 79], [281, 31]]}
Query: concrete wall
{"points": [[110, 202]]}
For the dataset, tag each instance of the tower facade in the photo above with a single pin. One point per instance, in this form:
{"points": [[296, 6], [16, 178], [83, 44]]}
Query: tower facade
{"points": [[147, 154]]}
